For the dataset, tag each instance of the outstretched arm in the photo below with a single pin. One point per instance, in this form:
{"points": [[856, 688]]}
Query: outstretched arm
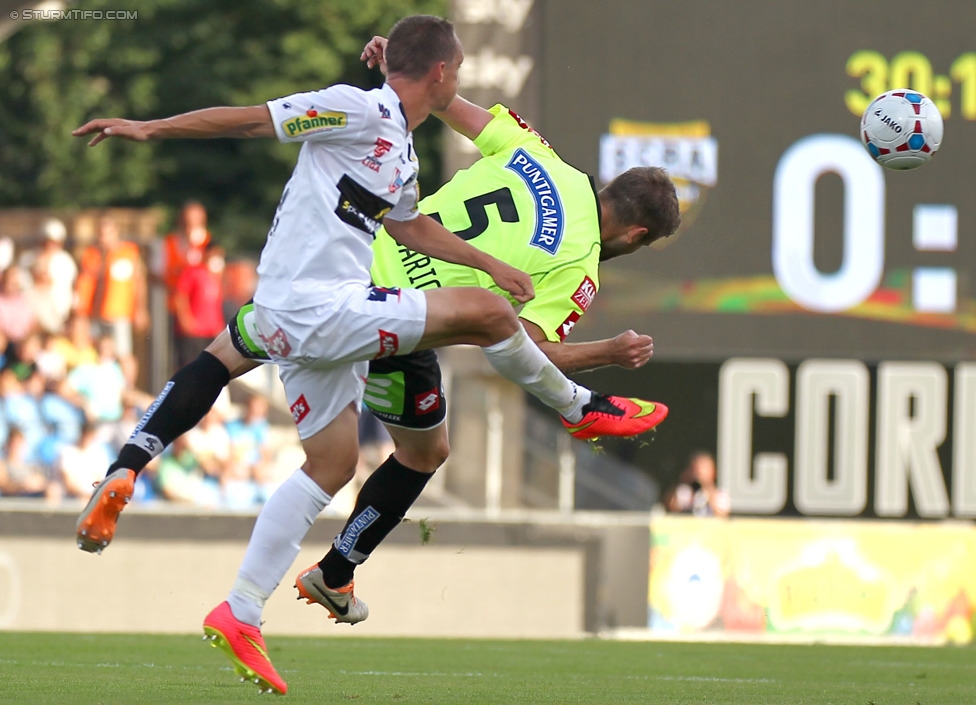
{"points": [[251, 121], [628, 350], [461, 115], [424, 234]]}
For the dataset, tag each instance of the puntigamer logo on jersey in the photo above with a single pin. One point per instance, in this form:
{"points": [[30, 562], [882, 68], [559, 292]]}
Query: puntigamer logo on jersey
{"points": [[550, 219], [313, 121]]}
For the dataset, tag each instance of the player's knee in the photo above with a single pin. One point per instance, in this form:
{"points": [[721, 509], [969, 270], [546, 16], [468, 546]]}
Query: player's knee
{"points": [[498, 319], [426, 458], [438, 453], [331, 474]]}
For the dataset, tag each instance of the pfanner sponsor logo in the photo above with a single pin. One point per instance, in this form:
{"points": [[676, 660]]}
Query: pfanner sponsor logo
{"points": [[550, 219], [313, 122]]}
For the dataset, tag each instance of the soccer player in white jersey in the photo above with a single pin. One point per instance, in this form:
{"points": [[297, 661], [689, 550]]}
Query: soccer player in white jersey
{"points": [[320, 319]]}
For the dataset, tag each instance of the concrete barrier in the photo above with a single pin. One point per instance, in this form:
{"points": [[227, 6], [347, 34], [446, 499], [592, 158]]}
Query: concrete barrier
{"points": [[512, 577]]}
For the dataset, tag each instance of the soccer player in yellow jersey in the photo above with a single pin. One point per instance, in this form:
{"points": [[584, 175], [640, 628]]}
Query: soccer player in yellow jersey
{"points": [[523, 204]]}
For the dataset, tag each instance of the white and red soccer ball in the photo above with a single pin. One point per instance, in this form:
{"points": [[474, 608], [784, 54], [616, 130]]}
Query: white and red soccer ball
{"points": [[901, 129]]}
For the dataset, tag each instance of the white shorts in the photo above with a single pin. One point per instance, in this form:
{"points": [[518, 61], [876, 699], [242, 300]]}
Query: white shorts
{"points": [[323, 352]]}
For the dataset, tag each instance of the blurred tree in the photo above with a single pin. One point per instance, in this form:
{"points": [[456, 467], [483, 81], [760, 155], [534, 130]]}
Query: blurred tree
{"points": [[179, 55]]}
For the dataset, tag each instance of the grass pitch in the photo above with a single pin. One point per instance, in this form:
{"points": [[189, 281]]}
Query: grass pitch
{"points": [[67, 669]]}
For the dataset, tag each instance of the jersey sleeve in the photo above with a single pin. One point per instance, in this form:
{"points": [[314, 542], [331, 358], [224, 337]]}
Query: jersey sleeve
{"points": [[406, 206], [561, 299], [325, 115], [507, 131]]}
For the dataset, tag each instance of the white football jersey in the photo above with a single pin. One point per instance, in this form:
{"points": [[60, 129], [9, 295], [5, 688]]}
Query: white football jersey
{"points": [[356, 166]]}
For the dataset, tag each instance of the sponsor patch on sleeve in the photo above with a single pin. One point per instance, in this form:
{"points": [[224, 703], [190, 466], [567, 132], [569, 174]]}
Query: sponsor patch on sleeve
{"points": [[526, 126], [313, 122], [567, 326], [584, 294], [389, 343]]}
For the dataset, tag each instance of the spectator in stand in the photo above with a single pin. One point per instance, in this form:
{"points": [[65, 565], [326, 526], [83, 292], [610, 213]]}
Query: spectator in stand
{"points": [[20, 404], [6, 252], [252, 458], [22, 356], [80, 466], [198, 302], [43, 300], [210, 443], [181, 479], [17, 319], [99, 387], [21, 475], [58, 264], [111, 288], [49, 360], [4, 425], [75, 346], [183, 247], [696, 492], [64, 420]]}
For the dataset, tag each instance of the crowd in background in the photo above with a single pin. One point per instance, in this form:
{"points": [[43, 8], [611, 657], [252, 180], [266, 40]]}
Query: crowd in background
{"points": [[69, 396], [68, 371]]}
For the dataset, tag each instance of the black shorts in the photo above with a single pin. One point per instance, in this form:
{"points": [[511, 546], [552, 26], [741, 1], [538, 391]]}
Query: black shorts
{"points": [[406, 390]]}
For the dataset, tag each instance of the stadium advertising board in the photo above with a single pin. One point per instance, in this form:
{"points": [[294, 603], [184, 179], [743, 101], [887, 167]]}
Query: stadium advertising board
{"points": [[826, 437], [909, 582]]}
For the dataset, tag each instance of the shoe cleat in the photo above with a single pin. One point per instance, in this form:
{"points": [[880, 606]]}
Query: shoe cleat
{"points": [[96, 524], [620, 417], [341, 603]]}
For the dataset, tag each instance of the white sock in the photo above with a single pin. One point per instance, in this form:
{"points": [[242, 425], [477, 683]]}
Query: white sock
{"points": [[278, 532], [520, 360]]}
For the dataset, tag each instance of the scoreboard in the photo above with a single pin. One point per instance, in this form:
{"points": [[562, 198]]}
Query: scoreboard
{"points": [[801, 263]]}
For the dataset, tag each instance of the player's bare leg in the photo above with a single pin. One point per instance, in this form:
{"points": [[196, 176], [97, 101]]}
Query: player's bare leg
{"points": [[284, 520]]}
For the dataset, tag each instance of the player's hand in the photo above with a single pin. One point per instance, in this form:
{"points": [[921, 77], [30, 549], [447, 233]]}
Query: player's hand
{"points": [[514, 281], [104, 128], [374, 53], [630, 350]]}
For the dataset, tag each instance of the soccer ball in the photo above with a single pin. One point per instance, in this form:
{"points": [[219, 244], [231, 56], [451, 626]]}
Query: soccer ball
{"points": [[901, 129]]}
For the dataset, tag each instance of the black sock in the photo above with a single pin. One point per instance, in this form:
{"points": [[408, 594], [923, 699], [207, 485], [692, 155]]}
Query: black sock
{"points": [[185, 399], [382, 502]]}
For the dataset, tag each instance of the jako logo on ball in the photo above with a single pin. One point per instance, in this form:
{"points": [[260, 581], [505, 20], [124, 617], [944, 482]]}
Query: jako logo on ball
{"points": [[901, 129]]}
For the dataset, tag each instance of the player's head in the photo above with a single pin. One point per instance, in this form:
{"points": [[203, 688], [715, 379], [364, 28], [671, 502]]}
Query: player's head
{"points": [[639, 207], [425, 48]]}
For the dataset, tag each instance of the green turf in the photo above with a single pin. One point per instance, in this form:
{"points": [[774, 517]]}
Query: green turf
{"points": [[66, 669]]}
